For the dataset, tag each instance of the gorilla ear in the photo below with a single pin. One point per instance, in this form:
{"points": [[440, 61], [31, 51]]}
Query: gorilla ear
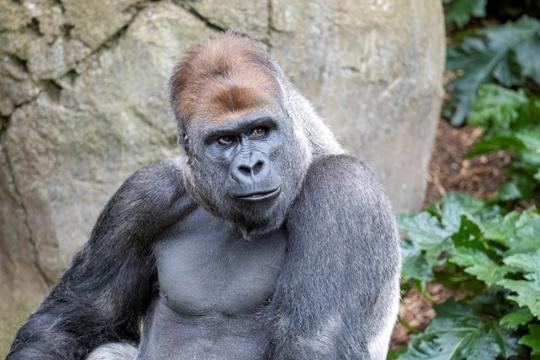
{"points": [[185, 140]]}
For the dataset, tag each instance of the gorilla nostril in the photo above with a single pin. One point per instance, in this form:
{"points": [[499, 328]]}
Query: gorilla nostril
{"points": [[244, 169], [257, 167]]}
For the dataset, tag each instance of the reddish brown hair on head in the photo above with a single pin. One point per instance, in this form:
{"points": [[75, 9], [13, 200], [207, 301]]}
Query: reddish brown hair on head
{"points": [[222, 79]]}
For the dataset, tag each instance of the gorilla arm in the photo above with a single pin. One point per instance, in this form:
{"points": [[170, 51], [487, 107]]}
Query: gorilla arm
{"points": [[107, 288], [338, 293]]}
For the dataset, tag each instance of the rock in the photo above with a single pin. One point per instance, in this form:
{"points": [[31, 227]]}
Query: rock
{"points": [[13, 15], [21, 284], [247, 17], [16, 86], [16, 42], [96, 21], [49, 16], [50, 61], [373, 70]]}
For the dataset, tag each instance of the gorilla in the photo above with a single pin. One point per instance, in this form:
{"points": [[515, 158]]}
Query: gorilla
{"points": [[262, 240]]}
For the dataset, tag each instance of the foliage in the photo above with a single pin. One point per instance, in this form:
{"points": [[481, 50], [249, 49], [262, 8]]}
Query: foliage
{"points": [[505, 54], [482, 250], [458, 332], [511, 121], [494, 259], [460, 12]]}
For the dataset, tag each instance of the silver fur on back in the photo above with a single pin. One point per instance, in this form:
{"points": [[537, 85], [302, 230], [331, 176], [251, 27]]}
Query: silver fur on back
{"points": [[114, 351], [309, 126]]}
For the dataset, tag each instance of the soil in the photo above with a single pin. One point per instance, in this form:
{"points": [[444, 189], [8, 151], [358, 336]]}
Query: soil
{"points": [[449, 171]]}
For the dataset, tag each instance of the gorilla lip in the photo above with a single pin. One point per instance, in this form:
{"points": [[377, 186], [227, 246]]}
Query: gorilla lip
{"points": [[259, 195]]}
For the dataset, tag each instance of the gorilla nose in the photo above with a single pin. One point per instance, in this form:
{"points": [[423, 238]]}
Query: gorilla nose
{"points": [[249, 170]]}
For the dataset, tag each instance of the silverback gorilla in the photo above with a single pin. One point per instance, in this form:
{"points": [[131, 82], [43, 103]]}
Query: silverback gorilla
{"points": [[263, 240]]}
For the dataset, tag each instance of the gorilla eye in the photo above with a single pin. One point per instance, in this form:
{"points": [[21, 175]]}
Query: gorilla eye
{"points": [[226, 140], [258, 132]]}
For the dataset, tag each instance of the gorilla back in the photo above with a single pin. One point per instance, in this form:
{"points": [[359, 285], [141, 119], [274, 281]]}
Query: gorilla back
{"points": [[261, 241]]}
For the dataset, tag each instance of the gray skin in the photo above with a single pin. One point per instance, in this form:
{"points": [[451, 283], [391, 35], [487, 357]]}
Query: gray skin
{"points": [[213, 286], [265, 244]]}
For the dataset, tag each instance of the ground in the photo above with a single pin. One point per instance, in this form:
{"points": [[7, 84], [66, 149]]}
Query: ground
{"points": [[449, 171]]}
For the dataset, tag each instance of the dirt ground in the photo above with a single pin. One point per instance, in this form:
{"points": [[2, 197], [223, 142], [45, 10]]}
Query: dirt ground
{"points": [[449, 171]]}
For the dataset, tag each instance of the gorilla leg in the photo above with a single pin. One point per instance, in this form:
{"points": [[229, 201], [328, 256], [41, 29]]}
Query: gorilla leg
{"points": [[114, 351]]}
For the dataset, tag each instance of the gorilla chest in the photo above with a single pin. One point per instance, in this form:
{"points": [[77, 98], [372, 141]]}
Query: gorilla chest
{"points": [[204, 266]]}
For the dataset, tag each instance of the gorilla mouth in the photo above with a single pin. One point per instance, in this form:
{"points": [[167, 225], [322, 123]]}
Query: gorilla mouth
{"points": [[258, 195]]}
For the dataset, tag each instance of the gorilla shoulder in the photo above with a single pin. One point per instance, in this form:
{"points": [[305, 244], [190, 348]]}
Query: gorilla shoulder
{"points": [[337, 178], [159, 186], [344, 191], [146, 203]]}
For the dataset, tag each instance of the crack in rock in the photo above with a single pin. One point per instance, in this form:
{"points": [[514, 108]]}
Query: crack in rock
{"points": [[30, 239]]}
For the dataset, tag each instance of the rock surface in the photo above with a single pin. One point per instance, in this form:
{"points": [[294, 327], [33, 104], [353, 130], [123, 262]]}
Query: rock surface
{"points": [[373, 70], [83, 104]]}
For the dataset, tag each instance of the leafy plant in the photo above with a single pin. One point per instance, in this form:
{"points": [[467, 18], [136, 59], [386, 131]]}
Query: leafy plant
{"points": [[458, 332], [468, 245], [505, 54], [460, 12], [511, 121]]}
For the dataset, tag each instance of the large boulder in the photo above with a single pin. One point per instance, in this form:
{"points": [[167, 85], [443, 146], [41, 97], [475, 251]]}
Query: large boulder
{"points": [[373, 70], [83, 104]]}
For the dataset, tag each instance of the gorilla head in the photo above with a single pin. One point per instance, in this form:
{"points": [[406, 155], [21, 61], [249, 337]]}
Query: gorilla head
{"points": [[245, 158]]}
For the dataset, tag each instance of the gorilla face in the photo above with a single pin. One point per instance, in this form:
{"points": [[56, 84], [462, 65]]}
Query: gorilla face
{"points": [[247, 169], [246, 156]]}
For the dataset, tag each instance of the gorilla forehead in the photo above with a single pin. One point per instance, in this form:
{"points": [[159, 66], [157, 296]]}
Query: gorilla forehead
{"points": [[223, 79]]}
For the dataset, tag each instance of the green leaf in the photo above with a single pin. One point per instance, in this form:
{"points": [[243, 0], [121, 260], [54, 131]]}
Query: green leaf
{"points": [[517, 318], [502, 228], [394, 354], [527, 232], [508, 191], [461, 11], [496, 107], [518, 232], [471, 253], [469, 235], [530, 137], [529, 158], [425, 232], [414, 264], [493, 58], [457, 333], [528, 51], [520, 187], [455, 205], [527, 290], [479, 265], [527, 263], [533, 339], [495, 143]]}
